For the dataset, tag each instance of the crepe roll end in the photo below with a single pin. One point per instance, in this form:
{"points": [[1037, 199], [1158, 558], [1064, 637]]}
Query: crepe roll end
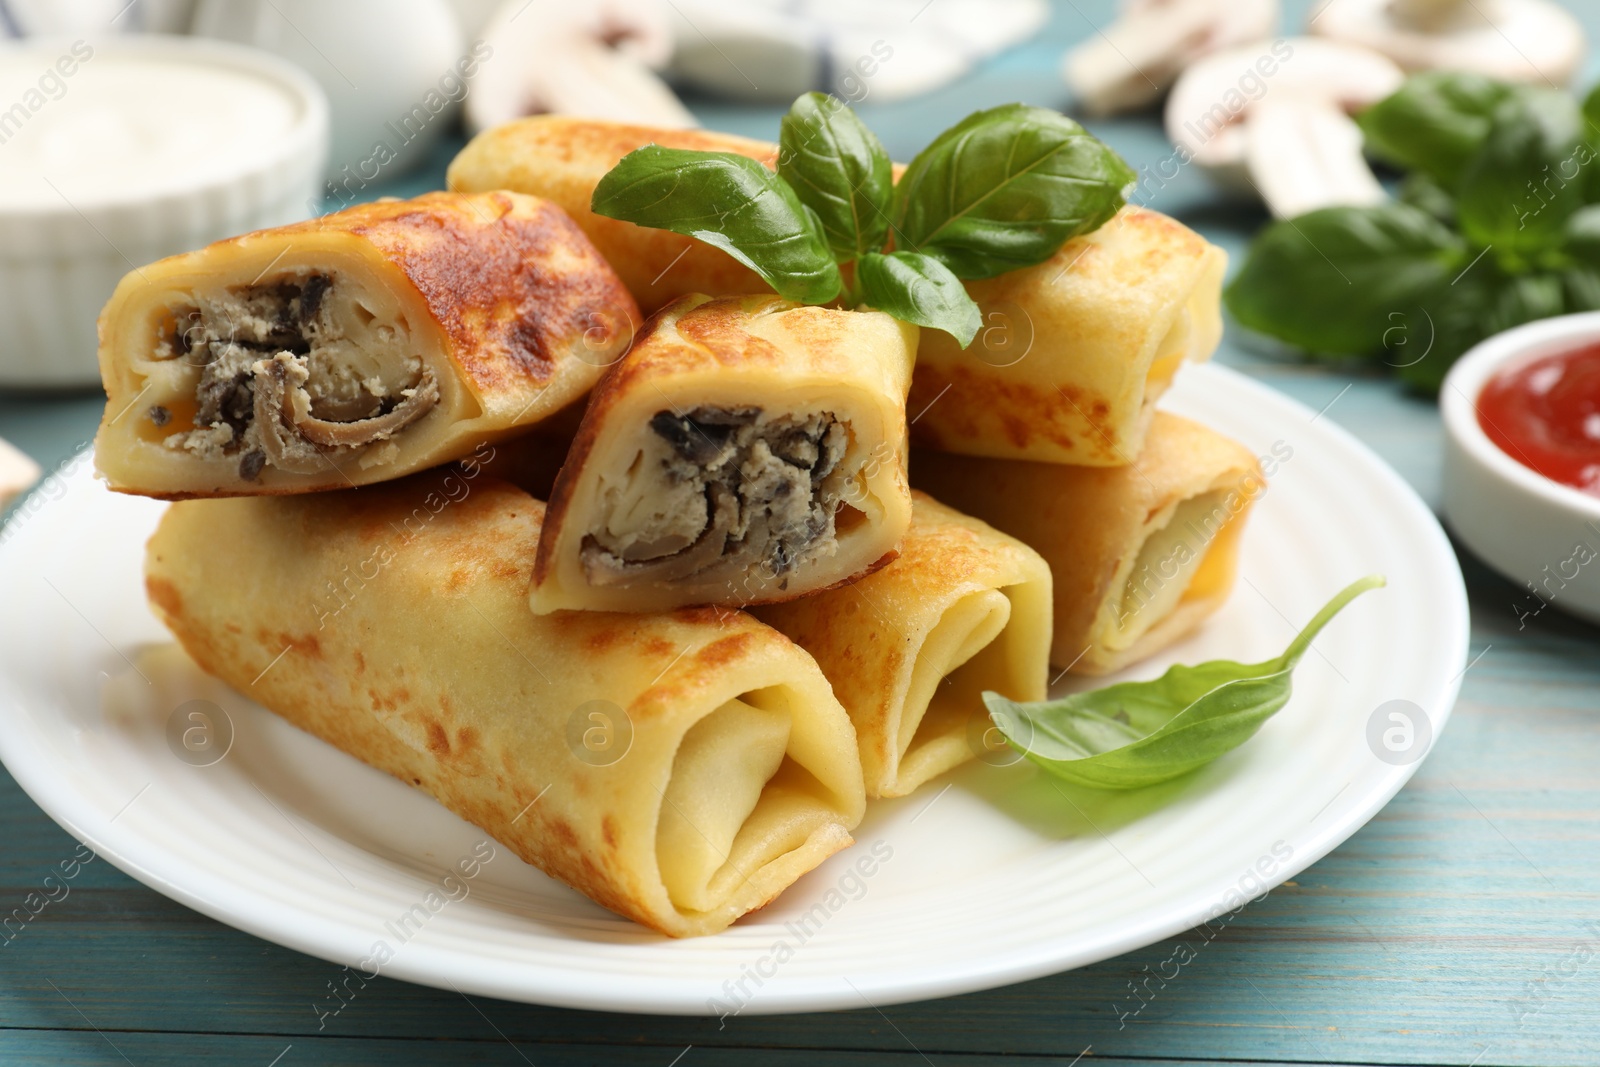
{"points": [[745, 451], [680, 769], [911, 648], [1141, 554], [1074, 353]]}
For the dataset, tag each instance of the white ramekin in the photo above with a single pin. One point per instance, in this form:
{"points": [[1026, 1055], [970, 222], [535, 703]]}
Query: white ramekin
{"points": [[59, 263], [1542, 535]]}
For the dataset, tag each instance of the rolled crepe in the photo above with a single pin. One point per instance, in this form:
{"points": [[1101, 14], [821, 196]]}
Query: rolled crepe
{"points": [[353, 348], [1075, 351], [745, 451], [911, 648], [1140, 554], [678, 769], [563, 158]]}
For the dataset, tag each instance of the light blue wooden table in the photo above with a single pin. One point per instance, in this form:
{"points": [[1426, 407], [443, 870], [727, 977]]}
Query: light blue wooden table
{"points": [[1462, 926]]}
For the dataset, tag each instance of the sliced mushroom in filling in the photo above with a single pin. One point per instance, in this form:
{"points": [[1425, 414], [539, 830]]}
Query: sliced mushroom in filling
{"points": [[719, 493], [293, 374]]}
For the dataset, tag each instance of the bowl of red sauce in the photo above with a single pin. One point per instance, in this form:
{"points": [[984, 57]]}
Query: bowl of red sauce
{"points": [[1522, 461]]}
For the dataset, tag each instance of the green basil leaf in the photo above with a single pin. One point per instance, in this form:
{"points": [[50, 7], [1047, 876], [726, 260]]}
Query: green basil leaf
{"points": [[1591, 125], [1329, 281], [1434, 122], [1581, 288], [1518, 190], [1140, 733], [918, 288], [840, 170], [1581, 237], [1482, 302], [730, 202], [1005, 188], [1421, 191]]}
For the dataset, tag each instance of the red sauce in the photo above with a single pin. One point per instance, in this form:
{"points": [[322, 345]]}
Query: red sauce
{"points": [[1545, 414]]}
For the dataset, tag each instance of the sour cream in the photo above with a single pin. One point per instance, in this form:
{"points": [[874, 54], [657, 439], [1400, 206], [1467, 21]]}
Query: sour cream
{"points": [[123, 149], [85, 127]]}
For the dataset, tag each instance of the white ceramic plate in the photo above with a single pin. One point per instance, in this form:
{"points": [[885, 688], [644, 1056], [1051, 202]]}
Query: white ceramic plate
{"points": [[989, 876]]}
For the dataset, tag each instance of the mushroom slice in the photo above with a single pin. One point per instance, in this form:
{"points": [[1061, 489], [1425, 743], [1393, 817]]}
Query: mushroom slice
{"points": [[1139, 56], [1513, 40], [1217, 101], [294, 439]]}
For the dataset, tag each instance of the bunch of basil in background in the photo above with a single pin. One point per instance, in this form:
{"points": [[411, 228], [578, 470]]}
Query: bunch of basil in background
{"points": [[1002, 189], [1497, 223]]}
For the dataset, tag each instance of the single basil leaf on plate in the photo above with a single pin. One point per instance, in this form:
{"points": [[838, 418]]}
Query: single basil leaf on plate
{"points": [[919, 289], [1520, 187], [1005, 188], [1140, 733], [839, 169], [1333, 280], [1434, 122], [730, 202]]}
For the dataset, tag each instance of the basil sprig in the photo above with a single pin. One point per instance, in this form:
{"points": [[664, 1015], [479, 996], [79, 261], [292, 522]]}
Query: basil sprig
{"points": [[1003, 189], [1491, 230], [1433, 123], [1140, 733]]}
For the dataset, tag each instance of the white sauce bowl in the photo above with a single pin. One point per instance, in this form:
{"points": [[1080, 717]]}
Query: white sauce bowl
{"points": [[117, 152], [1542, 535]]}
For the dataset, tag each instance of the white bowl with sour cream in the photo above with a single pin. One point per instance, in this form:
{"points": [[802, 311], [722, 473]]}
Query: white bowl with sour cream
{"points": [[120, 151]]}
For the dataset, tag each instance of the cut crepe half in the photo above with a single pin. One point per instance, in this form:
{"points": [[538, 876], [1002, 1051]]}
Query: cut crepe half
{"points": [[911, 648], [353, 348], [679, 769], [1140, 554], [746, 450], [1074, 352], [562, 158]]}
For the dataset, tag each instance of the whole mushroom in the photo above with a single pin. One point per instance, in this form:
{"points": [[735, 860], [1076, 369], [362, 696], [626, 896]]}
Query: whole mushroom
{"points": [[1274, 117], [1513, 40], [1140, 55], [595, 60]]}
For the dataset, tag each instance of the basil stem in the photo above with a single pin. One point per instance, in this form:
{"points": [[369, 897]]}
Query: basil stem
{"points": [[1135, 734]]}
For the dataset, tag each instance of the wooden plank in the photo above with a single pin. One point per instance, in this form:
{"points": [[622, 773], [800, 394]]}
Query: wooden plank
{"points": [[116, 1049]]}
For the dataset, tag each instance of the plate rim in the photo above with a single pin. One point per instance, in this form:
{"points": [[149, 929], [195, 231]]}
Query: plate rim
{"points": [[447, 969]]}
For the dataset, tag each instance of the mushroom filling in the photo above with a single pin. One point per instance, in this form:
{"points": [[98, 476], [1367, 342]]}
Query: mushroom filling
{"points": [[293, 372], [721, 493]]}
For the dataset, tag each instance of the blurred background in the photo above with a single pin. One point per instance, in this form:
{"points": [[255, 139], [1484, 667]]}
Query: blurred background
{"points": [[133, 129]]}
